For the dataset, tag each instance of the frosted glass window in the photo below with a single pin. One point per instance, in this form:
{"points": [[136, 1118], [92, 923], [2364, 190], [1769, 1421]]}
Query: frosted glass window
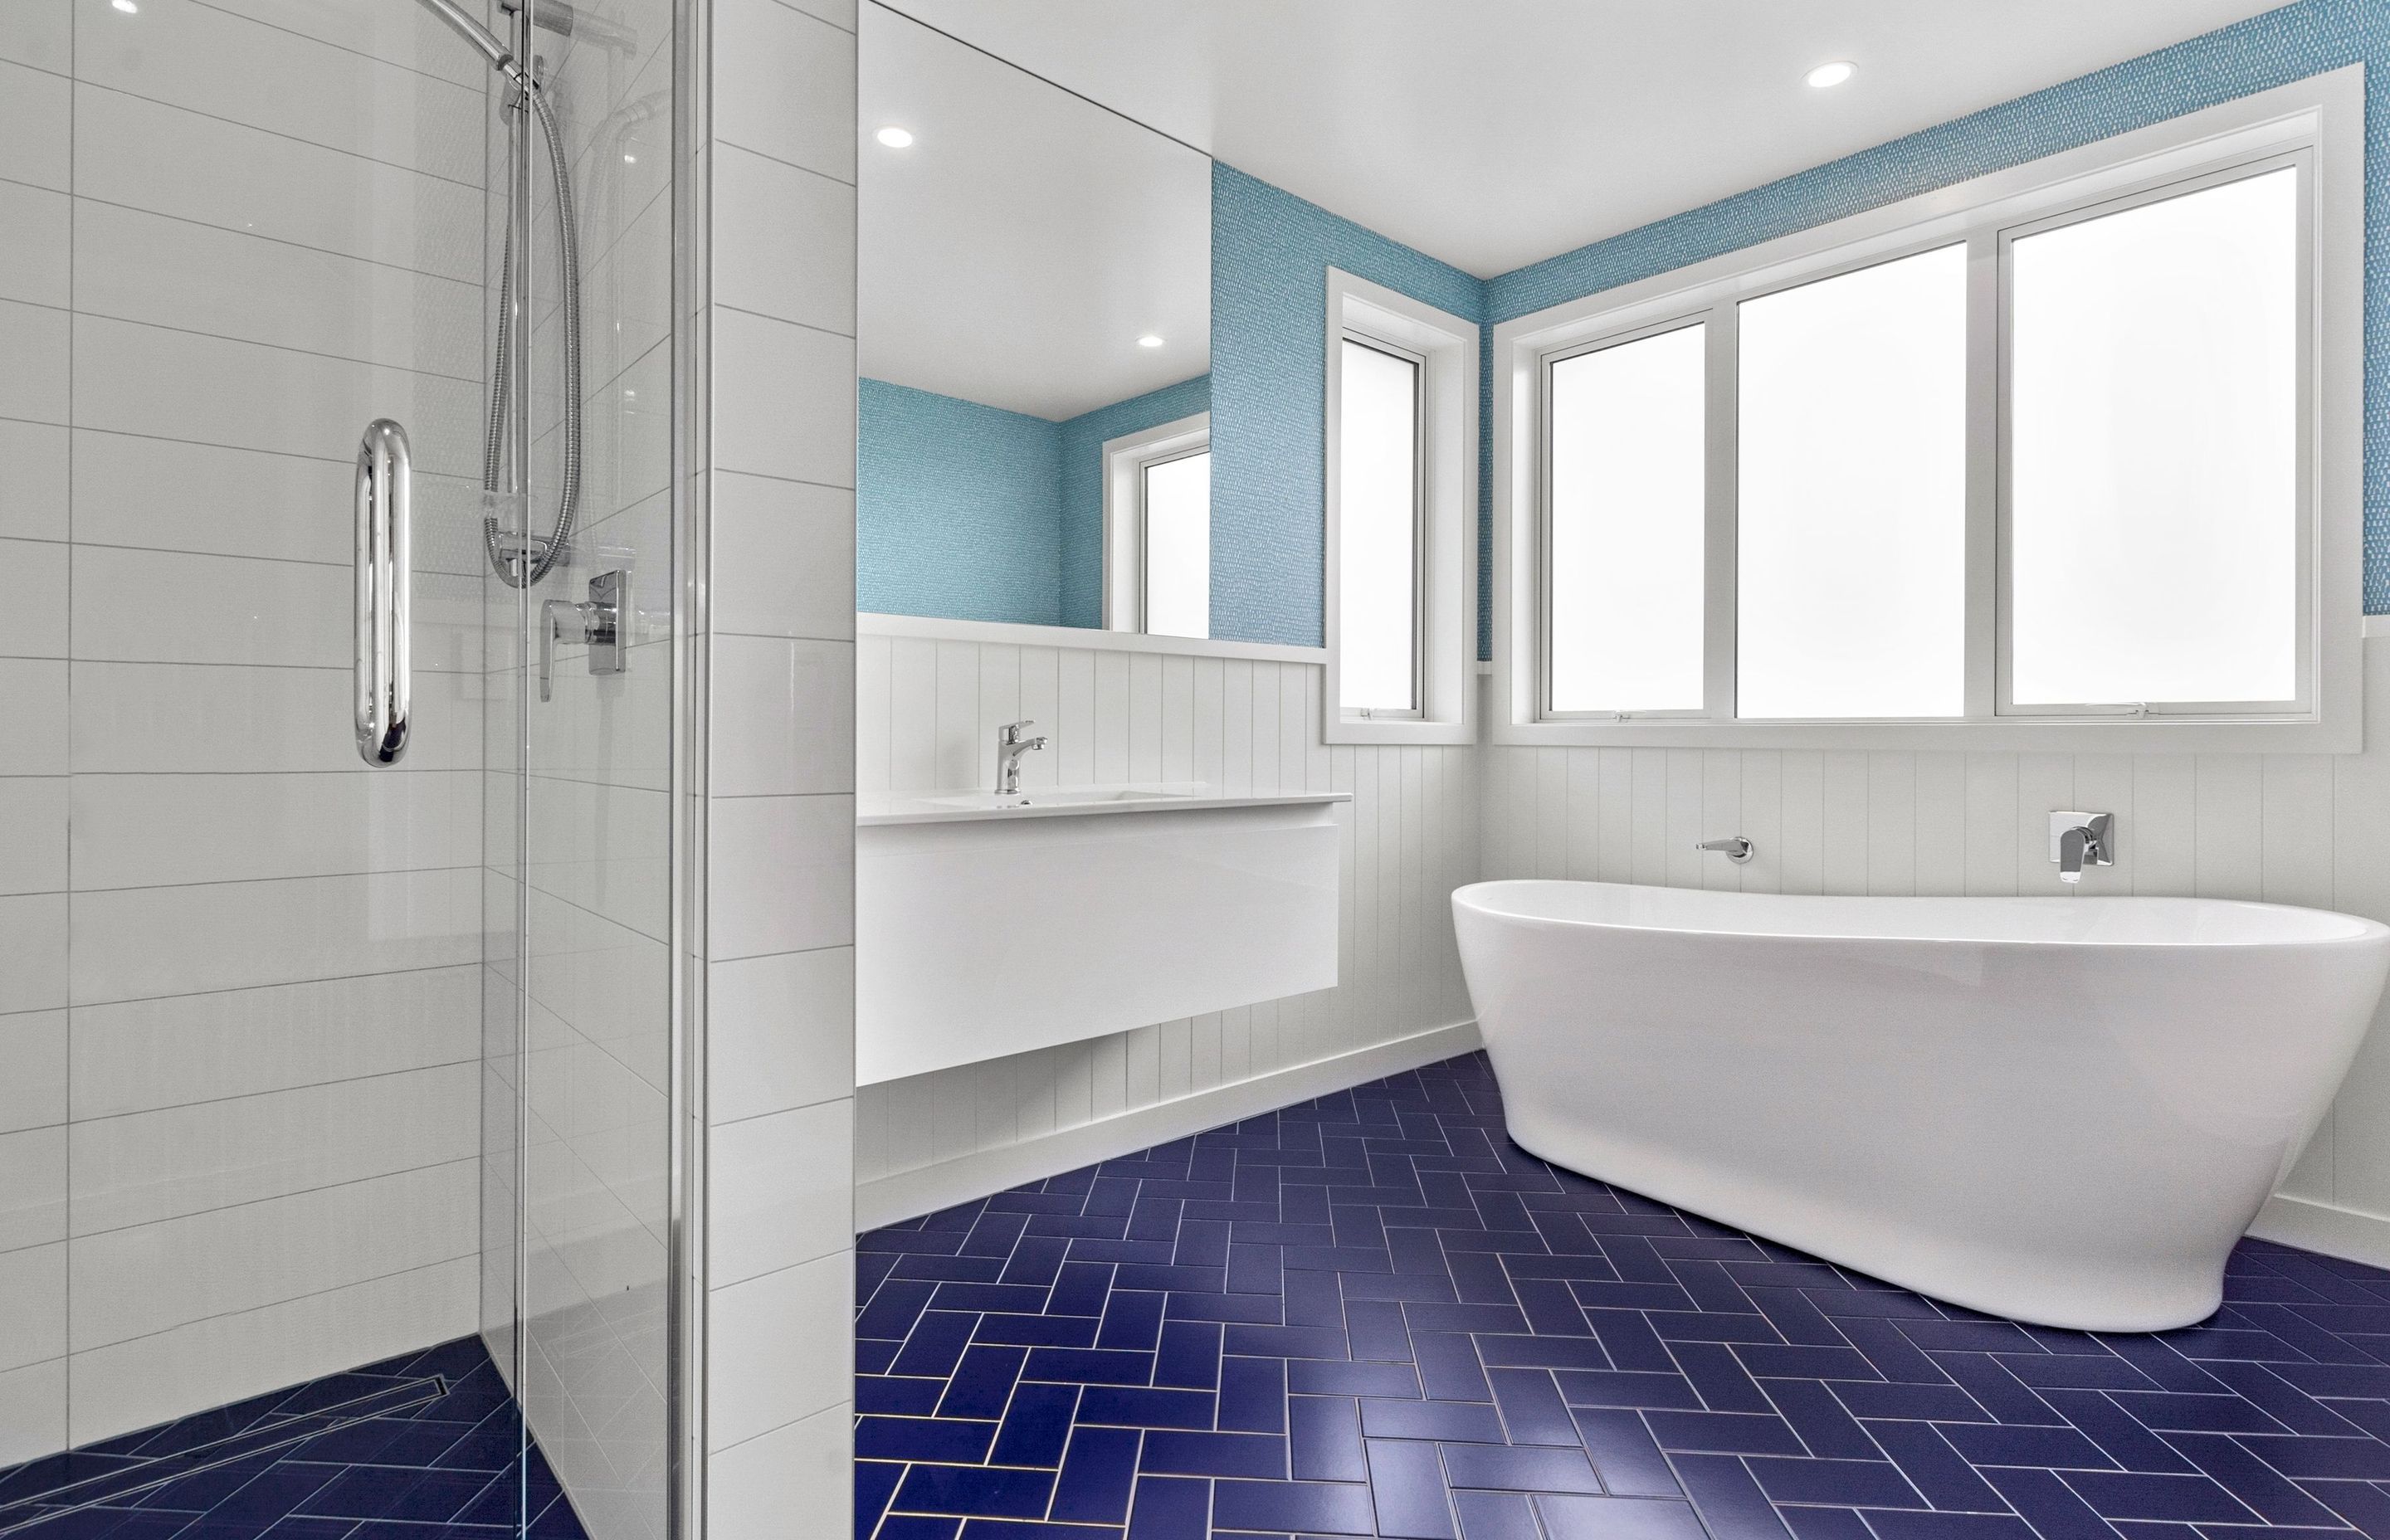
{"points": [[1378, 533], [1852, 505], [2154, 452], [1627, 539], [1178, 546]]}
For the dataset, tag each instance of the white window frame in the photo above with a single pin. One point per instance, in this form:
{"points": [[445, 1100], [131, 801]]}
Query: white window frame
{"points": [[2317, 123], [1125, 461], [1448, 349]]}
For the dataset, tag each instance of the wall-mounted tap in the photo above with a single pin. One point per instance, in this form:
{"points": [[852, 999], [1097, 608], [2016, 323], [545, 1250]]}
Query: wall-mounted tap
{"points": [[1734, 847], [2080, 840], [1010, 747]]}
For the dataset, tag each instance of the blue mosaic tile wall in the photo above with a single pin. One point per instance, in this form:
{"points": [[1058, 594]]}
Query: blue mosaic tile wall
{"points": [[1270, 254], [957, 508], [2268, 50], [1082, 484]]}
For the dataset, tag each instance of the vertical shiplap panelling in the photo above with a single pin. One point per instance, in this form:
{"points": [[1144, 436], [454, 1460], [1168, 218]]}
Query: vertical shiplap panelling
{"points": [[1891, 823], [1406, 838], [1843, 823], [2228, 825], [1940, 810]]}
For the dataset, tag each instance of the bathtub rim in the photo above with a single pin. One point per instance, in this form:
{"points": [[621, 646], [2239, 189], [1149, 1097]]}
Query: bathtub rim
{"points": [[2359, 930]]}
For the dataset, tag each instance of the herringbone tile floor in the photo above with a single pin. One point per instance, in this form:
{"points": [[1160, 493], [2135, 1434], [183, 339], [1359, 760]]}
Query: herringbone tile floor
{"points": [[1373, 1315]]}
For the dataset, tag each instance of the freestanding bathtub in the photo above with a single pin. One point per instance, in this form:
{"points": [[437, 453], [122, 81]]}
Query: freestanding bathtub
{"points": [[2063, 1110]]}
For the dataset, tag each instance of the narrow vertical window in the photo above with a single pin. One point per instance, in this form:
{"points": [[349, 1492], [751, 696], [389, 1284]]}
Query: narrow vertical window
{"points": [[1378, 522], [1851, 516], [1178, 546], [1624, 533], [2154, 464]]}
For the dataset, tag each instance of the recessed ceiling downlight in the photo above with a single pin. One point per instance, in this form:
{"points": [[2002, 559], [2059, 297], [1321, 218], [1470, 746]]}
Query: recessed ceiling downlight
{"points": [[1831, 74], [1149, 340], [895, 137]]}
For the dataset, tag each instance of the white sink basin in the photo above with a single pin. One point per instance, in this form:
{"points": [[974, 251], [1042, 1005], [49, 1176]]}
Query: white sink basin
{"points": [[1063, 795]]}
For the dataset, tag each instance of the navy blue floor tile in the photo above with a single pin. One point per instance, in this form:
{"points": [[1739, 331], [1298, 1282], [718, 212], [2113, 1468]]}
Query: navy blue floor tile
{"points": [[423, 1446], [1371, 1314]]}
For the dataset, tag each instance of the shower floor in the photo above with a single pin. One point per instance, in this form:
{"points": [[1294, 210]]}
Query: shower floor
{"points": [[419, 1447], [1373, 1315]]}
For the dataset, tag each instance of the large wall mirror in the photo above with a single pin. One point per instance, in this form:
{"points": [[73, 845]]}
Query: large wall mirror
{"points": [[1033, 430]]}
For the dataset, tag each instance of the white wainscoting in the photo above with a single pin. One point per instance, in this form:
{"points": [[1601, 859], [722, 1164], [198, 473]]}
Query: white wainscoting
{"points": [[927, 712], [2290, 829]]}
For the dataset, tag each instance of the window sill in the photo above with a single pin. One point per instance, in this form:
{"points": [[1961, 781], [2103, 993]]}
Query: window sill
{"points": [[1397, 730], [2003, 735]]}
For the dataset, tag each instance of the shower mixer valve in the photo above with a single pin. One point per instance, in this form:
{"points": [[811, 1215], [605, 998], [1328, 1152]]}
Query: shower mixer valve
{"points": [[601, 621]]}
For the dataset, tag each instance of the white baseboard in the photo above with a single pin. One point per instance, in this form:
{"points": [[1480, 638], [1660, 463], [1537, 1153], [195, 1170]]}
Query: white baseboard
{"points": [[2350, 1234], [887, 1198]]}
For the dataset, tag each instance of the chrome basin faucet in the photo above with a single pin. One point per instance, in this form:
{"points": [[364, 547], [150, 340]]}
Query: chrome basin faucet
{"points": [[1010, 747]]}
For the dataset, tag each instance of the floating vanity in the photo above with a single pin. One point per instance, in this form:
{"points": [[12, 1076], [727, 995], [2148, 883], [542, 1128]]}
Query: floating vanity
{"points": [[994, 925]]}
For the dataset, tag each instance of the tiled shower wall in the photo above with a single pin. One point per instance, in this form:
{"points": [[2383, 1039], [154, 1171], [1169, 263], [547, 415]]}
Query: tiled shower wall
{"points": [[593, 768], [2289, 829], [237, 1117], [778, 475], [927, 712]]}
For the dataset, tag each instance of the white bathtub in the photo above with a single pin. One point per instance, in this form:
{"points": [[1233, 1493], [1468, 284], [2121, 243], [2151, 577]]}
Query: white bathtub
{"points": [[2063, 1110]]}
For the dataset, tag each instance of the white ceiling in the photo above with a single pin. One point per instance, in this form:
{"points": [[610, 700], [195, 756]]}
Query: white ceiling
{"points": [[1496, 133], [1014, 253]]}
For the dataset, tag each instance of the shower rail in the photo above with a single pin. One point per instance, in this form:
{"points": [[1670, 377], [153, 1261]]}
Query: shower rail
{"points": [[384, 591]]}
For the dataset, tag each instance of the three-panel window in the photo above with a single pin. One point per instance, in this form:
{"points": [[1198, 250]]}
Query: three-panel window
{"points": [[2052, 461]]}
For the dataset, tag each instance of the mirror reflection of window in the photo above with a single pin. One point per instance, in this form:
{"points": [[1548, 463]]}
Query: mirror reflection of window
{"points": [[1378, 623], [1178, 546]]}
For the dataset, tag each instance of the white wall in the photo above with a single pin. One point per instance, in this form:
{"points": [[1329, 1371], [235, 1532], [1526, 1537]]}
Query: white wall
{"points": [[2290, 829], [237, 1110], [927, 712], [778, 1265]]}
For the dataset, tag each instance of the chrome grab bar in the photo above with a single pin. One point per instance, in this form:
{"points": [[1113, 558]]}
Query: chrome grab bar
{"points": [[384, 591]]}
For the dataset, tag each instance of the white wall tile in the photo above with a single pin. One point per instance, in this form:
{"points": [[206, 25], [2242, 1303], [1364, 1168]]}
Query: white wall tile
{"points": [[783, 716], [225, 718], [794, 1354], [147, 155], [32, 953], [34, 116], [35, 244], [784, 85], [784, 240], [141, 266], [34, 1092], [33, 493], [783, 558], [225, 65], [32, 1305], [33, 598], [143, 1055], [32, 1411], [803, 1467], [135, 943], [33, 834], [783, 396], [779, 1033], [34, 341], [780, 1190], [226, 1358], [149, 830], [33, 1188], [143, 1167], [39, 32], [148, 1279], [782, 873]]}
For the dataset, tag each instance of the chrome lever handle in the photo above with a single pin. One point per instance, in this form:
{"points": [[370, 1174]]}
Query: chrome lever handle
{"points": [[600, 621], [1735, 847], [385, 591]]}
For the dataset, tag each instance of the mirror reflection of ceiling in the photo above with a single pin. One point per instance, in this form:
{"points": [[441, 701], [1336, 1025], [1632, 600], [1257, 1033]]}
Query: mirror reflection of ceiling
{"points": [[1017, 250], [1493, 133]]}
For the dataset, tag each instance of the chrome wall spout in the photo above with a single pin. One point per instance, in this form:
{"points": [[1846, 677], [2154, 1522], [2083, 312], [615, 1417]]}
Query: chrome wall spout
{"points": [[2080, 840]]}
